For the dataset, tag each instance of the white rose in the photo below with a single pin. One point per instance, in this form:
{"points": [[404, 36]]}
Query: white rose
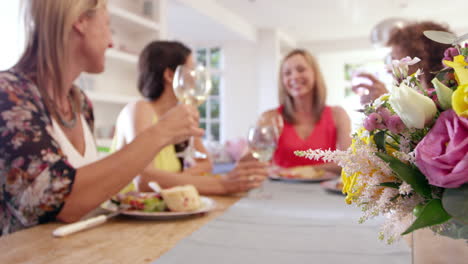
{"points": [[414, 109]]}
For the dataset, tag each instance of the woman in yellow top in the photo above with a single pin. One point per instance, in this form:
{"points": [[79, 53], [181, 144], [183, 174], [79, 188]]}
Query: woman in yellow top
{"points": [[157, 64]]}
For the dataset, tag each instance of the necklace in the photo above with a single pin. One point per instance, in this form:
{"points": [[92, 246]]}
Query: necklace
{"points": [[72, 122]]}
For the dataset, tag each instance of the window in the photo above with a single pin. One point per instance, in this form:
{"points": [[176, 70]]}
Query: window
{"points": [[210, 111]]}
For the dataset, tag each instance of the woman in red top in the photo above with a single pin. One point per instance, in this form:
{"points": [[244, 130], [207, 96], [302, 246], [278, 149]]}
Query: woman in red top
{"points": [[307, 122]]}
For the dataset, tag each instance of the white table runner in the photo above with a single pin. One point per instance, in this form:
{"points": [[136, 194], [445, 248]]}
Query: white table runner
{"points": [[298, 223]]}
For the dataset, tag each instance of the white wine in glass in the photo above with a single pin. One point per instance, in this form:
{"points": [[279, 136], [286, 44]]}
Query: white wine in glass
{"points": [[192, 86], [262, 140], [263, 154]]}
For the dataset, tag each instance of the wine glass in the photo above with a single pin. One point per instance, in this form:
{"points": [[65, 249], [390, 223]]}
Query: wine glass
{"points": [[262, 141], [273, 124], [272, 120], [192, 86]]}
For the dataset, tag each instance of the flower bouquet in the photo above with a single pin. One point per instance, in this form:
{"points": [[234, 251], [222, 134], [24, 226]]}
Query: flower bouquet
{"points": [[409, 160]]}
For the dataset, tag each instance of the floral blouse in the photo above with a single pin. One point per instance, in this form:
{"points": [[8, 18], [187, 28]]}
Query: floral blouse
{"points": [[35, 176]]}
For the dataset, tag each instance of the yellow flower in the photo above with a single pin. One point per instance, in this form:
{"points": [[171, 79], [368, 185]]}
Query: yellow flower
{"points": [[349, 182], [349, 188], [370, 140], [362, 136], [459, 64], [385, 97], [460, 100]]}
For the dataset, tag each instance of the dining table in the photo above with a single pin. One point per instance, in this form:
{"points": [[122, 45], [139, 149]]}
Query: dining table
{"points": [[282, 222]]}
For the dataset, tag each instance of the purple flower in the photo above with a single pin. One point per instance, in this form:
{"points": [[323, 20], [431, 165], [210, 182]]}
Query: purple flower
{"points": [[384, 113], [395, 125], [442, 155], [450, 53], [373, 121], [406, 61]]}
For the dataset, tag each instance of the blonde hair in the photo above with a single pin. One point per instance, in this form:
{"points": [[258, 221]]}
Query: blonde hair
{"points": [[319, 91], [48, 25]]}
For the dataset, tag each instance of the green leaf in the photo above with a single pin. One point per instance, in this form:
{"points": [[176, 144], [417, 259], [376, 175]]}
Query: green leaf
{"points": [[418, 209], [455, 202], [408, 174], [464, 52], [395, 197], [394, 185], [444, 94], [432, 214], [379, 139]]}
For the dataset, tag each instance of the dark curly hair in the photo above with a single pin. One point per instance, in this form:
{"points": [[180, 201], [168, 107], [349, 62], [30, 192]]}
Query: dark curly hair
{"points": [[411, 41], [155, 58]]}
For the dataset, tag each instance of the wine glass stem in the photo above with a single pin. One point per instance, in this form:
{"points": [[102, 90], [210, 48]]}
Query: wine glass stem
{"points": [[192, 152], [188, 154], [191, 148]]}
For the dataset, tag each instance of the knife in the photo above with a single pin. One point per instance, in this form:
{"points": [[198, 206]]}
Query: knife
{"points": [[82, 225]]}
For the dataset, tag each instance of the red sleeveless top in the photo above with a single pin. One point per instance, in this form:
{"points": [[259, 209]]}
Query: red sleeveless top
{"points": [[323, 136]]}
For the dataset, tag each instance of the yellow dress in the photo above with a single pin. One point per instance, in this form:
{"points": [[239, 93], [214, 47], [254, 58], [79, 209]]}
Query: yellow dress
{"points": [[165, 160]]}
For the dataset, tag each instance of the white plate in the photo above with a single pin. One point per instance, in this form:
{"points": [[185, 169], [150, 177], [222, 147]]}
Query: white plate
{"points": [[208, 204], [325, 176], [331, 186]]}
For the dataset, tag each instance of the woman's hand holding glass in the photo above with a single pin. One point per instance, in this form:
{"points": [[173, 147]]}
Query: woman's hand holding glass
{"points": [[248, 174], [192, 86], [178, 124]]}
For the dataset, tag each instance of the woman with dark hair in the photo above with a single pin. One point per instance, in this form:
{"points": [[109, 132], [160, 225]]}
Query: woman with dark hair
{"points": [[410, 41], [308, 123], [157, 64]]}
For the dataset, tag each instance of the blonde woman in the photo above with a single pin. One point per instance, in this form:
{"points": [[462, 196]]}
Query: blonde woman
{"points": [[307, 122], [48, 167]]}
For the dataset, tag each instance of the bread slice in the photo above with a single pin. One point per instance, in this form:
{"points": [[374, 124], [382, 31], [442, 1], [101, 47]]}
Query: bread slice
{"points": [[182, 198]]}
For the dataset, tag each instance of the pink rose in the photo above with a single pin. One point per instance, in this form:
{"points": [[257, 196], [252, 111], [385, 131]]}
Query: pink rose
{"points": [[442, 155], [395, 125], [384, 113], [374, 121]]}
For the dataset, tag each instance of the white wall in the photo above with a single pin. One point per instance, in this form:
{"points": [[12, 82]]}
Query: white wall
{"points": [[268, 63], [11, 30], [240, 93]]}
